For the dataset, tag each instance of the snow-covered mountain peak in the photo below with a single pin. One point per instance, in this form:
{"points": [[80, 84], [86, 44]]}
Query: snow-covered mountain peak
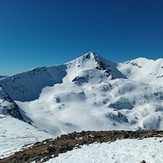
{"points": [[143, 70], [90, 55], [88, 93], [142, 62], [93, 56], [91, 92], [91, 68]]}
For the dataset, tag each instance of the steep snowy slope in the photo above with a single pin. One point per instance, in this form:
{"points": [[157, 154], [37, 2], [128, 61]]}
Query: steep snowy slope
{"points": [[143, 70], [116, 104], [8, 106], [91, 68], [28, 85], [90, 93], [14, 133]]}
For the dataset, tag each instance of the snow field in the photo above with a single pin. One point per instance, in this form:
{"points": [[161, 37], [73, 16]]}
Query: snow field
{"points": [[16, 134], [88, 93], [120, 151]]}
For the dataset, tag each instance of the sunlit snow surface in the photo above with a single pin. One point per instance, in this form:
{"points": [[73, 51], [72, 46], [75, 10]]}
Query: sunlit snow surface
{"points": [[16, 134], [88, 93], [111, 105], [121, 151], [95, 94]]}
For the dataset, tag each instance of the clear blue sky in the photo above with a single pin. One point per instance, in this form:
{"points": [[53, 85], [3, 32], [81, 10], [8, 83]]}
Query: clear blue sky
{"points": [[47, 32]]}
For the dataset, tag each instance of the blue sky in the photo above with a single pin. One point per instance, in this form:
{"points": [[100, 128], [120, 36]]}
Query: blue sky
{"points": [[48, 32]]}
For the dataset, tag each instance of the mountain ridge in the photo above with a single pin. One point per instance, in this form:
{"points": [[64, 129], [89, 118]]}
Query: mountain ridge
{"points": [[54, 75]]}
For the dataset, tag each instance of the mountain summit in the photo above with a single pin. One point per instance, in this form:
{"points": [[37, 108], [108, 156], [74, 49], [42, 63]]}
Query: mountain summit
{"points": [[88, 68], [92, 68]]}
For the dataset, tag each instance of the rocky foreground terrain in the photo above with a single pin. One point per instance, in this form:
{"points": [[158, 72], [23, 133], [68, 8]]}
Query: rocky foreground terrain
{"points": [[43, 151]]}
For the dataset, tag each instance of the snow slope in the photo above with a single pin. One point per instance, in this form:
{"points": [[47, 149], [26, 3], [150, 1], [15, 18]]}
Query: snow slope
{"points": [[143, 70], [8, 106], [27, 86], [16, 135], [90, 93], [105, 106], [120, 151]]}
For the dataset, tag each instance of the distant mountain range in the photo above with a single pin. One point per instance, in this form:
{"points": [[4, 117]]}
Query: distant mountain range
{"points": [[2, 76], [88, 93]]}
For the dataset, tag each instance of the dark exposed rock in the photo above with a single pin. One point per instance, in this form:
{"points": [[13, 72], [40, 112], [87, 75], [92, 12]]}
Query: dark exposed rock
{"points": [[143, 161], [12, 108]]}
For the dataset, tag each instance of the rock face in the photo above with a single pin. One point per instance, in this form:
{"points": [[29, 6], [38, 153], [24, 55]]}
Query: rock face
{"points": [[143, 161], [8, 106]]}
